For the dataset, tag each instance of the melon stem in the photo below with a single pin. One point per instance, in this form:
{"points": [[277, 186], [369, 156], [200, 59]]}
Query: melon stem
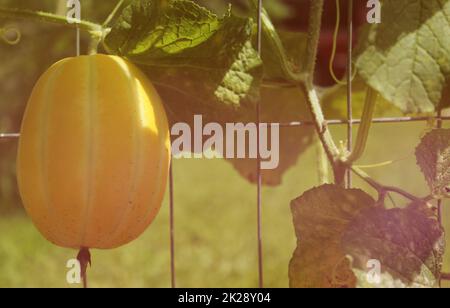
{"points": [[84, 257]]}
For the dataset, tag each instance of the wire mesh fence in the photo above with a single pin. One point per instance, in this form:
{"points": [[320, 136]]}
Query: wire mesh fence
{"points": [[349, 122]]}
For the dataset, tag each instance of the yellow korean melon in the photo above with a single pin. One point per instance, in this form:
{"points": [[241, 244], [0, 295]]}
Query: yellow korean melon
{"points": [[94, 153]]}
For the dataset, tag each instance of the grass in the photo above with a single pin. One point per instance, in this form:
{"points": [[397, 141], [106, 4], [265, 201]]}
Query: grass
{"points": [[215, 226]]}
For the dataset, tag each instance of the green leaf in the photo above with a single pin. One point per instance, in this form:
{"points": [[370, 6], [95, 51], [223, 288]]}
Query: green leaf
{"points": [[407, 57], [433, 157], [321, 216], [279, 106], [339, 231], [204, 63], [408, 243]]}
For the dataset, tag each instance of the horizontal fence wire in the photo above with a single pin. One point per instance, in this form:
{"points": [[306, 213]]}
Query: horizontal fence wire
{"points": [[328, 122], [9, 135], [358, 121]]}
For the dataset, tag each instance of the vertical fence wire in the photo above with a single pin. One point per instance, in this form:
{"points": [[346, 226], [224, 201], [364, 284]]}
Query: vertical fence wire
{"points": [[173, 277], [439, 202], [258, 164], [349, 85], [78, 46], [84, 256]]}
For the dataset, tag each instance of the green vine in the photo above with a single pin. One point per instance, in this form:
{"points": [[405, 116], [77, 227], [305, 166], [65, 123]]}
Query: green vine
{"points": [[364, 128], [113, 14], [50, 18], [330, 147], [96, 31], [383, 190]]}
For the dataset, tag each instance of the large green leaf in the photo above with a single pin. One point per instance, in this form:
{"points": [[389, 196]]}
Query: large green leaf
{"points": [[321, 216], [207, 63], [407, 57], [433, 157], [339, 231]]}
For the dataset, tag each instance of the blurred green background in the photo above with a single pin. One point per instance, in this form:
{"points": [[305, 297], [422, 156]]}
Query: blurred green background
{"points": [[215, 209]]}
